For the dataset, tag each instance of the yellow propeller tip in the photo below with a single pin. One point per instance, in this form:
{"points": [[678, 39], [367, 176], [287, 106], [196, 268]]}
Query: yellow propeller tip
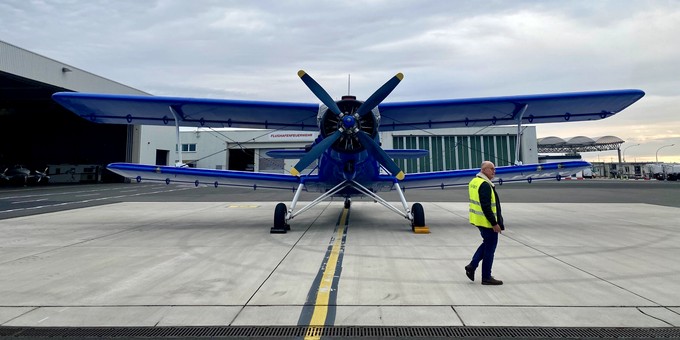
{"points": [[301, 73], [294, 172], [400, 175], [400, 76]]}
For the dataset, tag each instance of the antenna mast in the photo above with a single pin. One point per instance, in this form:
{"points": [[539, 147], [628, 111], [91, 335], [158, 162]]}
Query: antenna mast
{"points": [[348, 82]]}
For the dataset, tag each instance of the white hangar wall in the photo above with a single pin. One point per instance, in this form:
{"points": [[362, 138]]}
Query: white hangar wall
{"points": [[455, 148], [213, 149]]}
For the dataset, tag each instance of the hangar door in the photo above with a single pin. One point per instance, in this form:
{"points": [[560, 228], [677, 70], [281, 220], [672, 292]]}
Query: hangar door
{"points": [[242, 159]]}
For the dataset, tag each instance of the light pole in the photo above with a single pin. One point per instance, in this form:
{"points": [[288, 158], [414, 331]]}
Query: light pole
{"points": [[657, 151], [624, 151]]}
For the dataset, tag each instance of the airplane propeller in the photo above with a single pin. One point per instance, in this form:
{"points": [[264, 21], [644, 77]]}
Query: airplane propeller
{"points": [[315, 153], [319, 92], [380, 155], [378, 96], [348, 125]]}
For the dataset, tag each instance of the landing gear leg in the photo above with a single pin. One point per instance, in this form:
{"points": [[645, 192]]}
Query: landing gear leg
{"points": [[416, 214], [280, 225]]}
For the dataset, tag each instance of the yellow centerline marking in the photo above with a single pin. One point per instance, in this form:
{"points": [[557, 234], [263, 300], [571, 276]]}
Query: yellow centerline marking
{"points": [[324, 293]]}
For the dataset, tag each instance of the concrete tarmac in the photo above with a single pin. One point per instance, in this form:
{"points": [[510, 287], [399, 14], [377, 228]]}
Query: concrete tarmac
{"points": [[593, 253]]}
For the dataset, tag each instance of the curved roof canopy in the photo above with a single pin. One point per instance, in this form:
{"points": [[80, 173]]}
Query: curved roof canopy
{"points": [[554, 144]]}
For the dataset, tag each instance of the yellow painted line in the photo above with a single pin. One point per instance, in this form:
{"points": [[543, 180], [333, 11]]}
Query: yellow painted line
{"points": [[324, 293], [243, 206]]}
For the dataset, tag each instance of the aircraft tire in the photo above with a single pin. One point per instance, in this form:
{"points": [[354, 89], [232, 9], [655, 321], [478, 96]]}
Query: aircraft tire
{"points": [[418, 215], [280, 217]]}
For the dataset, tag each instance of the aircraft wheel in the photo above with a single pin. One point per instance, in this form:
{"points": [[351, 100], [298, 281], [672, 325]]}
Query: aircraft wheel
{"points": [[418, 215], [348, 203], [280, 225]]}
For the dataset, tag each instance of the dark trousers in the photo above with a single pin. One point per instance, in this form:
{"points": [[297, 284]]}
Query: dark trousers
{"points": [[485, 251]]}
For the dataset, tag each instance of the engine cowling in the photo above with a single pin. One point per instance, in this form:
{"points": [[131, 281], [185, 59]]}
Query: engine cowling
{"points": [[349, 142]]}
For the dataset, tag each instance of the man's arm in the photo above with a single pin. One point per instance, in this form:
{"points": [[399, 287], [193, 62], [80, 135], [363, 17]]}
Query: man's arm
{"points": [[485, 193]]}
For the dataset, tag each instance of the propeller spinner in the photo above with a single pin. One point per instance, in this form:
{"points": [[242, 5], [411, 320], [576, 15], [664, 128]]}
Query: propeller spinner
{"points": [[350, 126]]}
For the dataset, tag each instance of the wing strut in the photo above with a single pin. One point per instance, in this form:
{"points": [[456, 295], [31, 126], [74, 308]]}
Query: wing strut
{"points": [[386, 204], [518, 147], [318, 200], [178, 146]]}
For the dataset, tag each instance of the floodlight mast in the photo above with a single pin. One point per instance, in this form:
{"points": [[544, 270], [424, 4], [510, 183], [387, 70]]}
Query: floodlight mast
{"points": [[626, 148], [657, 151]]}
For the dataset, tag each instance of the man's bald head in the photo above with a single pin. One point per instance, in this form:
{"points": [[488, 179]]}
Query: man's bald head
{"points": [[488, 169]]}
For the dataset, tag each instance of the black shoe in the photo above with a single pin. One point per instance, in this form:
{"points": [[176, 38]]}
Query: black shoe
{"points": [[491, 281], [470, 272]]}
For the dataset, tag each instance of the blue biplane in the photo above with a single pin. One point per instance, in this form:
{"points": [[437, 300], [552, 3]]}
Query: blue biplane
{"points": [[350, 158]]}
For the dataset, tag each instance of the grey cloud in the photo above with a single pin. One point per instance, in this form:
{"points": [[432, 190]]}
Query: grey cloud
{"points": [[446, 49]]}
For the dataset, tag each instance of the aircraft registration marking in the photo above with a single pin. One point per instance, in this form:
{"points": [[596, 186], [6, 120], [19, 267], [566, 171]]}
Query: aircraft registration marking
{"points": [[326, 288]]}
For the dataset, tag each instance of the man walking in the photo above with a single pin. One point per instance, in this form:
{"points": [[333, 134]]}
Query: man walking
{"points": [[485, 214]]}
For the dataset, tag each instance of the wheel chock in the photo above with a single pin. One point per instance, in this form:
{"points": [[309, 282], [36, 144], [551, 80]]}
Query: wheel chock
{"points": [[274, 230], [421, 230]]}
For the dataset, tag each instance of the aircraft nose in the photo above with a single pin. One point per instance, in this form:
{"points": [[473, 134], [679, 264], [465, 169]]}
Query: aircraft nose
{"points": [[348, 122]]}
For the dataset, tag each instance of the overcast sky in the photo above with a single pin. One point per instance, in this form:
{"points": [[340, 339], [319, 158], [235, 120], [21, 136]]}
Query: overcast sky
{"points": [[446, 49]]}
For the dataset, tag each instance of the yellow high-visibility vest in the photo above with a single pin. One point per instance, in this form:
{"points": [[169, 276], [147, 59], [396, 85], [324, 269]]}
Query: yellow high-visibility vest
{"points": [[476, 214]]}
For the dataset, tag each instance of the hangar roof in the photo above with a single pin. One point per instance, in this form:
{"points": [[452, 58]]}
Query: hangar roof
{"points": [[555, 144], [20, 65]]}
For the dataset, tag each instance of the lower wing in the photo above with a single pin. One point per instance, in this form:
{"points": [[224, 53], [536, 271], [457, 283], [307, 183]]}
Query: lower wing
{"points": [[504, 174], [197, 177], [259, 180]]}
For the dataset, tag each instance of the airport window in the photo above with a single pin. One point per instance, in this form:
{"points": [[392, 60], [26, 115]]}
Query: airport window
{"points": [[411, 164], [476, 151], [424, 162], [503, 152], [450, 153], [437, 154], [398, 143], [463, 152], [189, 147], [489, 149]]}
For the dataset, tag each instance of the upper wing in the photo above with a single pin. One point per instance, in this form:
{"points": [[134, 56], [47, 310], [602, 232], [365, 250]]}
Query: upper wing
{"points": [[542, 108], [151, 110], [513, 173]]}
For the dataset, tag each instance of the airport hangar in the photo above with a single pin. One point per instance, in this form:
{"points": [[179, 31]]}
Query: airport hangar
{"points": [[36, 132]]}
